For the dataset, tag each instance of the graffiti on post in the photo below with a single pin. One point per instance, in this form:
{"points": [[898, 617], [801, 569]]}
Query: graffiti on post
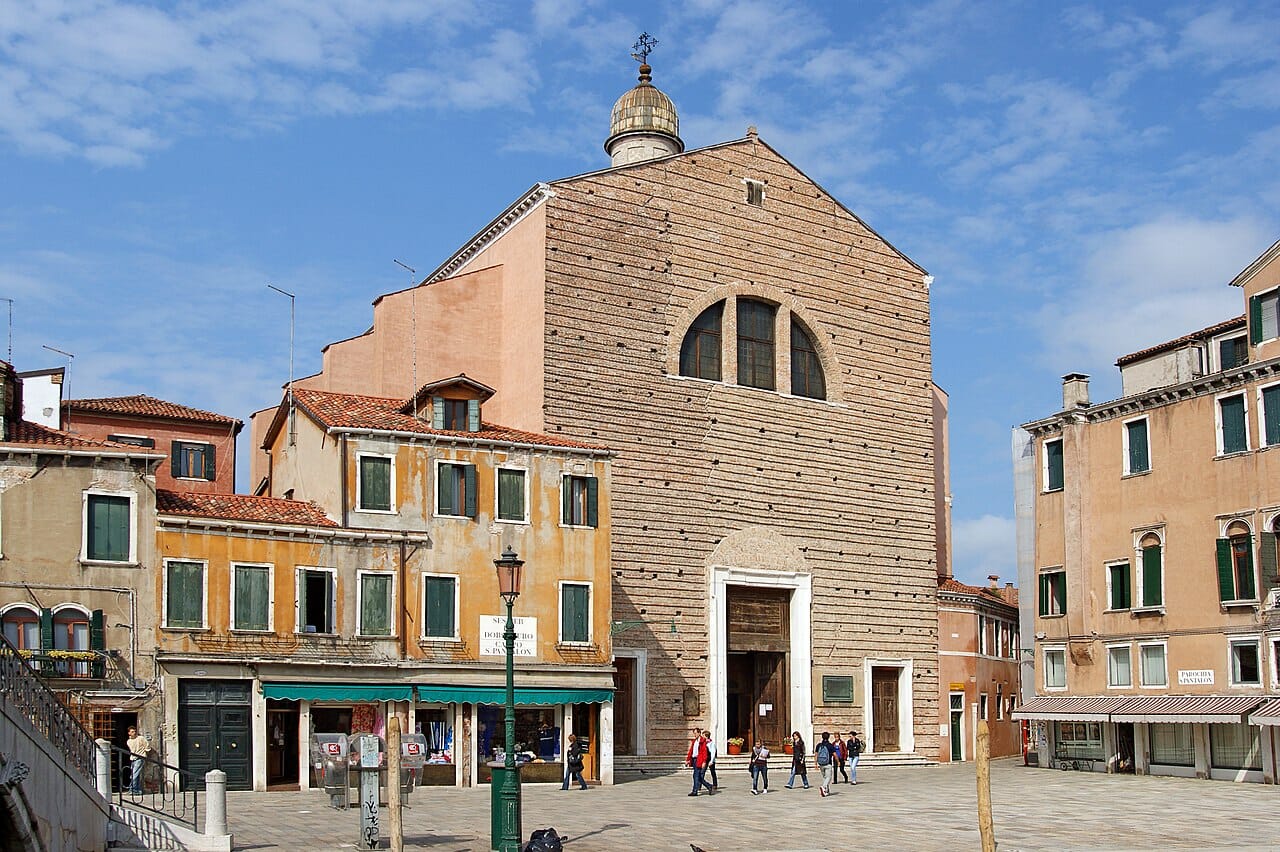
{"points": [[370, 831]]}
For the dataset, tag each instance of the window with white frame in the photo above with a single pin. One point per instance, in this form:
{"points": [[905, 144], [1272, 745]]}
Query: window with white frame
{"points": [[440, 606], [579, 497], [456, 490], [1150, 570], [575, 612], [108, 526], [317, 600], [1232, 351], [1264, 317], [1119, 586], [1269, 408], [376, 603], [1243, 662], [184, 594], [1053, 473], [375, 483], [1052, 593], [1153, 668], [982, 635], [1236, 580], [1233, 424], [512, 495], [1137, 449], [1119, 667], [1055, 668], [251, 597]]}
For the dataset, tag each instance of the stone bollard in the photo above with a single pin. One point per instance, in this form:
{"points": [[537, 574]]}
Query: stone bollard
{"points": [[102, 767], [215, 803]]}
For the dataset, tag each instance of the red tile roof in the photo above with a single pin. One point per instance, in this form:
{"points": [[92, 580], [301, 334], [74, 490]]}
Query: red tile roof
{"points": [[141, 405], [241, 507], [351, 411], [951, 584], [27, 434], [1178, 342]]}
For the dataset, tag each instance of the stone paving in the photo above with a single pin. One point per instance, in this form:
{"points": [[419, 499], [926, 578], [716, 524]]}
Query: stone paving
{"points": [[891, 808]]}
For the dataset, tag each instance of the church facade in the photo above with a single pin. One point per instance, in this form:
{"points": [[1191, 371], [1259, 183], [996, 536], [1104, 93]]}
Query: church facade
{"points": [[759, 360]]}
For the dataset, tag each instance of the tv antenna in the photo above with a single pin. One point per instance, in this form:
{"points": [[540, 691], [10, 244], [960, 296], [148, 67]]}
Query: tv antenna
{"points": [[293, 429], [10, 301], [66, 383]]}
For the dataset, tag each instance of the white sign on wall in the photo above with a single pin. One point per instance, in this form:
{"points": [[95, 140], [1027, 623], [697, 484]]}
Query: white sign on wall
{"points": [[1195, 677], [492, 643]]}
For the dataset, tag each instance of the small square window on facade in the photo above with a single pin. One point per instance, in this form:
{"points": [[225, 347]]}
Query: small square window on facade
{"points": [[755, 192], [1245, 670], [837, 689], [191, 460]]}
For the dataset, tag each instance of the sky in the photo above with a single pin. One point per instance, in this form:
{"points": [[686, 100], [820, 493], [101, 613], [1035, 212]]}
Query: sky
{"points": [[1082, 180]]}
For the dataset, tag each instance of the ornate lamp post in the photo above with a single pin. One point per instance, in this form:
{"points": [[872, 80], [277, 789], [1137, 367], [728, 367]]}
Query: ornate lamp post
{"points": [[505, 826]]}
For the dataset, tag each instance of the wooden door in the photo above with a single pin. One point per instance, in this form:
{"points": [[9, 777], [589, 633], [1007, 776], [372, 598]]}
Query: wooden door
{"points": [[214, 724], [884, 709], [771, 693], [624, 703]]}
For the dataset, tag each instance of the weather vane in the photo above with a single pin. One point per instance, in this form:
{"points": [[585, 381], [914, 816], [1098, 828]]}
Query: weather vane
{"points": [[643, 47]]}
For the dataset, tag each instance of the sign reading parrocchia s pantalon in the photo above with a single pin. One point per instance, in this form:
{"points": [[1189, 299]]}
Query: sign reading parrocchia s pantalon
{"points": [[492, 643], [1195, 677]]}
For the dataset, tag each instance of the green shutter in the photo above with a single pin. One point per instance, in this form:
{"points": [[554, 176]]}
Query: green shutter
{"points": [[1138, 459], [375, 605], [185, 606], [1053, 452], [437, 412], [1120, 591], [593, 499], [108, 528], [1267, 564], [469, 490], [566, 500], [575, 608], [1151, 570], [1226, 582], [511, 495], [1255, 319], [98, 642], [1246, 588], [253, 598], [210, 465], [375, 483], [1044, 594], [446, 490], [1271, 414], [175, 460], [1234, 439], [1060, 591], [473, 415], [439, 606], [47, 667]]}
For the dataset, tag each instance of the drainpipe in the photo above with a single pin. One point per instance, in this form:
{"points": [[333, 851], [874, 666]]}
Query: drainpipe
{"points": [[342, 451], [401, 610]]}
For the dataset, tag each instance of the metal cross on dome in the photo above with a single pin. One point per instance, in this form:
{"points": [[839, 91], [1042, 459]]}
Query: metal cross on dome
{"points": [[643, 47]]}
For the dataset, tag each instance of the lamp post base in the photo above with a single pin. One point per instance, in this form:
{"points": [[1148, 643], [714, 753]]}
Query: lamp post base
{"points": [[505, 829]]}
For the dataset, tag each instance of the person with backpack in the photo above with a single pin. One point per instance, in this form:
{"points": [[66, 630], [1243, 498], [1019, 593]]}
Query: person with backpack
{"points": [[573, 764], [797, 761], [759, 767], [842, 756], [855, 747], [824, 756]]}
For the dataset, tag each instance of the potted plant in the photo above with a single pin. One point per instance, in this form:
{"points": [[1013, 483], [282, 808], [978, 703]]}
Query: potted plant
{"points": [[735, 745], [786, 746]]}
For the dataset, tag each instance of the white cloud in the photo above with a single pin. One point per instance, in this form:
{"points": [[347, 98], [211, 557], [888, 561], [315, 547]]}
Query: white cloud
{"points": [[982, 546]]}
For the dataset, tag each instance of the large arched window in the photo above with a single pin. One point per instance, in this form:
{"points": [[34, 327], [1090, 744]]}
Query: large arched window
{"points": [[71, 633], [22, 628], [755, 344], [806, 368], [700, 350]]}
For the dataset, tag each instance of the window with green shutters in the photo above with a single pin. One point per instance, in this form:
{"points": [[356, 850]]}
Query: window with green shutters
{"points": [[511, 495], [1053, 471], [375, 604], [1267, 567], [1053, 593], [1235, 569], [456, 490], [184, 594], [108, 527], [191, 460], [1271, 415], [1233, 352], [1233, 434], [1152, 575], [579, 498], [440, 607], [375, 483], [252, 597], [575, 612], [1137, 456], [1264, 316], [1118, 584]]}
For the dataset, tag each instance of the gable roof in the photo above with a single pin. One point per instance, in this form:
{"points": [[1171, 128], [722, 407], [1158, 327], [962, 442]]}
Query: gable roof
{"points": [[1179, 342], [24, 433], [141, 405], [241, 507], [1258, 263], [354, 412]]}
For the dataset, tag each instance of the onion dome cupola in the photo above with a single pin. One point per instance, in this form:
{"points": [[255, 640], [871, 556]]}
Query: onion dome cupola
{"points": [[644, 123]]}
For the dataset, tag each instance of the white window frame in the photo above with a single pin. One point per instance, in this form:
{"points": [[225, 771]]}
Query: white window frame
{"points": [[748, 183], [204, 602], [1255, 557], [84, 525], [457, 607], [1262, 417], [391, 486], [297, 599], [1044, 667], [1215, 348], [1106, 568], [1274, 293], [1136, 602], [1124, 441], [497, 475], [1128, 649], [983, 645], [391, 605], [271, 596], [1164, 654], [591, 611], [565, 476], [1237, 641], [1044, 465], [1056, 570], [435, 492], [1217, 423]]}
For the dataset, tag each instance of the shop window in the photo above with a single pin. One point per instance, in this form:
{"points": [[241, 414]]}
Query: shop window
{"points": [[456, 490], [376, 604], [511, 495], [251, 597], [317, 600], [536, 734], [700, 349], [579, 497], [1236, 746], [184, 594], [1078, 740], [434, 724], [1172, 745], [376, 483]]}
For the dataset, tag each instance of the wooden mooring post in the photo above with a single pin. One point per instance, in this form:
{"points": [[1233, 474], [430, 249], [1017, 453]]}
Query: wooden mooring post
{"points": [[986, 826]]}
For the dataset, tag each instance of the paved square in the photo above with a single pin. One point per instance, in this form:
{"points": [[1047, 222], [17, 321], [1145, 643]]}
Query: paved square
{"points": [[893, 808]]}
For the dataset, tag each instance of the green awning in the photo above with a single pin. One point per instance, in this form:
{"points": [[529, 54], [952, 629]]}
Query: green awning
{"points": [[498, 695], [354, 692]]}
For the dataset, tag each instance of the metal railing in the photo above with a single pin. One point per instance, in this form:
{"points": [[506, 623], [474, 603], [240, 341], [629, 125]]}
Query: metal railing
{"points": [[42, 707], [150, 784]]}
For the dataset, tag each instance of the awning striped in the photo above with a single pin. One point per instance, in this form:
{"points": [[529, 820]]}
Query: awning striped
{"points": [[1072, 708], [1213, 709], [1267, 714]]}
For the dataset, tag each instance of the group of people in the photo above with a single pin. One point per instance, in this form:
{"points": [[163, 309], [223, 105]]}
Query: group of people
{"points": [[830, 756]]}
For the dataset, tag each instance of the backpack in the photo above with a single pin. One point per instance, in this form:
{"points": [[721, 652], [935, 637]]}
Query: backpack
{"points": [[857, 747], [823, 754]]}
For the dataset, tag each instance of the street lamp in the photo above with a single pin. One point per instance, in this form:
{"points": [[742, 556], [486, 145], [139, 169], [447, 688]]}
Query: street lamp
{"points": [[504, 827]]}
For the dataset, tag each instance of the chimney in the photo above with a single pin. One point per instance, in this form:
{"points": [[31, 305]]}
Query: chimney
{"points": [[10, 400], [1075, 390], [995, 580]]}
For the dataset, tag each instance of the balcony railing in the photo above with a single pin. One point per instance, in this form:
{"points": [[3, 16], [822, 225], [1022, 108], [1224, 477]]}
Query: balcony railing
{"points": [[67, 664], [30, 696]]}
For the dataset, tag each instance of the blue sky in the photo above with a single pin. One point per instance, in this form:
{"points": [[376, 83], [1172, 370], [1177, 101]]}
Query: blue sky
{"points": [[1082, 180]]}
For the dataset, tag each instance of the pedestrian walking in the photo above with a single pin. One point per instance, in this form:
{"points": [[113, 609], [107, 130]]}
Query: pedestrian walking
{"points": [[824, 757], [697, 758], [855, 747], [759, 768], [573, 765], [711, 760], [797, 761], [138, 748], [842, 757]]}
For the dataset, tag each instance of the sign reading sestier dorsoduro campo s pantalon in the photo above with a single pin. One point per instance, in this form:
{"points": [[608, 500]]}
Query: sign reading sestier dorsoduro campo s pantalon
{"points": [[1195, 677], [492, 644]]}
